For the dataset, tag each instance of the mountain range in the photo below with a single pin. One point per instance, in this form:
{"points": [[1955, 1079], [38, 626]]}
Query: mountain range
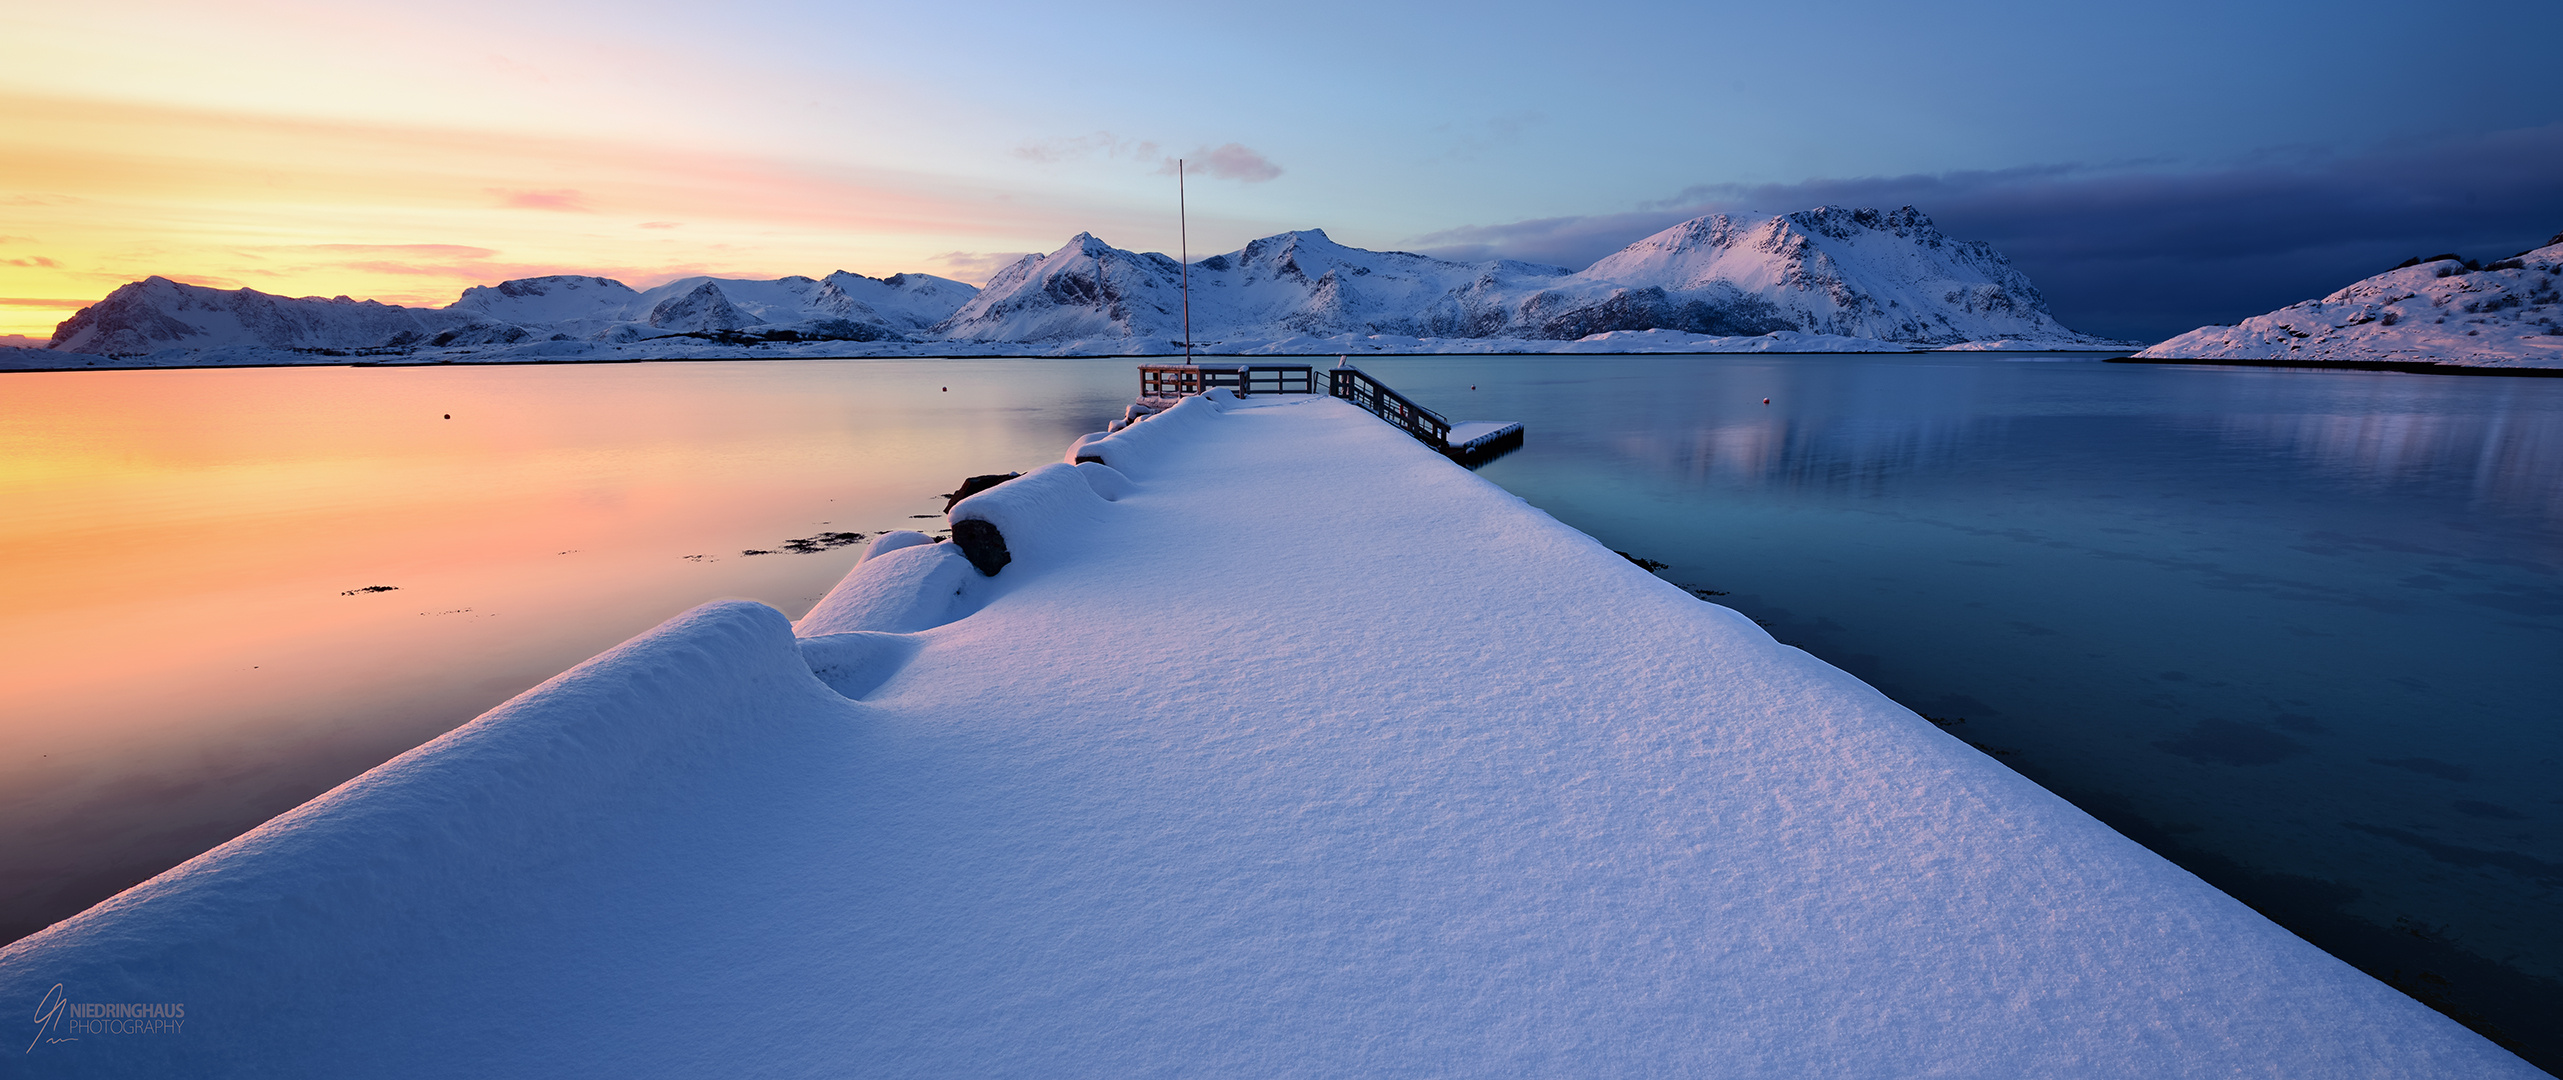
{"points": [[1827, 278], [2440, 310]]}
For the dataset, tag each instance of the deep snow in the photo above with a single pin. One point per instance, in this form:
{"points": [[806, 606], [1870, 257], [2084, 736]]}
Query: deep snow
{"points": [[1282, 747], [2504, 315]]}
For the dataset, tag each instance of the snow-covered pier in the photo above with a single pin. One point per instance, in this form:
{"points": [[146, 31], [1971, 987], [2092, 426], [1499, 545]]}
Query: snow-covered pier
{"points": [[1468, 442], [1409, 779]]}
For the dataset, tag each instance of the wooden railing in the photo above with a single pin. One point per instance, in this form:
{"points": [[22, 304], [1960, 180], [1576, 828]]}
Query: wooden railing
{"points": [[1355, 385], [1183, 380]]}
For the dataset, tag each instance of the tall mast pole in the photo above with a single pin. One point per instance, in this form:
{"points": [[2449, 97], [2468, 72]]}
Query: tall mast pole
{"points": [[1183, 234]]}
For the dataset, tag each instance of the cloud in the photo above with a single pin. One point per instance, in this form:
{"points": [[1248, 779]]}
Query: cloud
{"points": [[43, 302], [661, 224], [31, 262], [2143, 252], [1229, 162], [1232, 161], [563, 199], [1105, 143]]}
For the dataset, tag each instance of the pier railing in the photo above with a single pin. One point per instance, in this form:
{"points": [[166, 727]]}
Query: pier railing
{"points": [[1183, 380], [1355, 385]]}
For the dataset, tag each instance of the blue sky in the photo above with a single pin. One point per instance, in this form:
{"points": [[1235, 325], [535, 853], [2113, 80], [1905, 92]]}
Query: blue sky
{"points": [[2125, 156]]}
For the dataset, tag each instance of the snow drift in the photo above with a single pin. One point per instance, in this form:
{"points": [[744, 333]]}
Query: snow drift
{"points": [[1284, 747], [2441, 311]]}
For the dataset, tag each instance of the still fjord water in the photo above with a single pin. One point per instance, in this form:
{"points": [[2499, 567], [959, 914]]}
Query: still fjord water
{"points": [[2303, 631]]}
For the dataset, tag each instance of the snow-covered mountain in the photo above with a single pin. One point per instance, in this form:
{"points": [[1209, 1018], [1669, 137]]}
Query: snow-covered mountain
{"points": [[2507, 314], [1890, 276], [157, 315], [1893, 276], [1294, 283], [1829, 277]]}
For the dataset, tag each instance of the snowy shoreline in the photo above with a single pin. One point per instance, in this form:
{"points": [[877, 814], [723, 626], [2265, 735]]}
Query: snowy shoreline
{"points": [[1276, 745], [2408, 367], [16, 361]]}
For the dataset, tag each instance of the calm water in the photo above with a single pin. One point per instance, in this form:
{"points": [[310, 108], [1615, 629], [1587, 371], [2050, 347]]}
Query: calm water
{"points": [[2303, 631]]}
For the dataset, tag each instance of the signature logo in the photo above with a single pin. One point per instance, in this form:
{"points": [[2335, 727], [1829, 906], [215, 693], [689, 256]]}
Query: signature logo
{"points": [[59, 1019], [48, 1013]]}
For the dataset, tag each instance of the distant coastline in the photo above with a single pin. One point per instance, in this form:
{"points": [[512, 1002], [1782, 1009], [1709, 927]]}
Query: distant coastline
{"points": [[325, 360], [2411, 367]]}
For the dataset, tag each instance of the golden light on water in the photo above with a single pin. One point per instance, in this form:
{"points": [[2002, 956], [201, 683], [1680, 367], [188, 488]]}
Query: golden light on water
{"points": [[187, 646]]}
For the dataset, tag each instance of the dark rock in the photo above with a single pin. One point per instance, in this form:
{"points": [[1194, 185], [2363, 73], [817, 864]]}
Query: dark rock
{"points": [[973, 486], [982, 544]]}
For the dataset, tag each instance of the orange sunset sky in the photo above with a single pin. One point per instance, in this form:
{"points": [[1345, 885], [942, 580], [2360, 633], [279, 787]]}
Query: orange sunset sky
{"points": [[106, 192]]}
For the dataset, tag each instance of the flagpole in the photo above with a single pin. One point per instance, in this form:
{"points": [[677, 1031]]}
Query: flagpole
{"points": [[1183, 233]]}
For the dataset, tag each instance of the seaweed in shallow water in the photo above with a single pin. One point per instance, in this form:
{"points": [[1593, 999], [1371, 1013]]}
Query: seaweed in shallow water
{"points": [[1648, 564], [811, 545]]}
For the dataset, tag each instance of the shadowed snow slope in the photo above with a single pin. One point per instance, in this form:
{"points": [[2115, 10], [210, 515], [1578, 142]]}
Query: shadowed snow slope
{"points": [[1306, 754], [2508, 314]]}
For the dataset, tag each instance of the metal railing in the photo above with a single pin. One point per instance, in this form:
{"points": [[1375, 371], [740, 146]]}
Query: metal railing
{"points": [[1355, 385]]}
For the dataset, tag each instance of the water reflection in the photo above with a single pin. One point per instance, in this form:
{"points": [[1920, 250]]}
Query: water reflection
{"points": [[2506, 461], [1790, 453], [231, 590]]}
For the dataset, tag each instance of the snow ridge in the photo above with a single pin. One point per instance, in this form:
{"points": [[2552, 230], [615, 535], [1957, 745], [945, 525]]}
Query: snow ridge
{"points": [[2441, 311]]}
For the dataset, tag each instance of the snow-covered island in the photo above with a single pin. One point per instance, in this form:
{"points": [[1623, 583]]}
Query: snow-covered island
{"points": [[1831, 279], [1275, 745], [2442, 311]]}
